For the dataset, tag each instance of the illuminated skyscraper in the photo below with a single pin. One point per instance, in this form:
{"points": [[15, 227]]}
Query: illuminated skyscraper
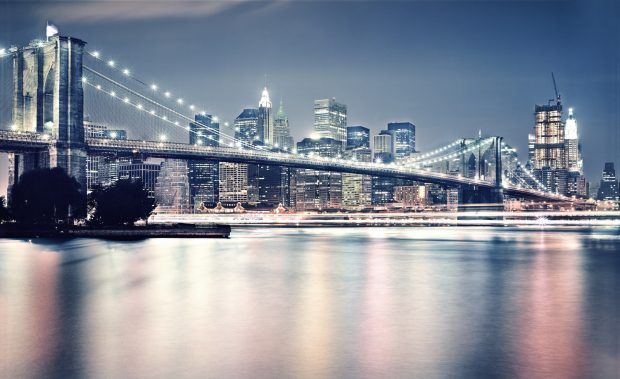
{"points": [[608, 189], [281, 131], [358, 136], [318, 189], [403, 138], [549, 147], [330, 119], [172, 187], [264, 124], [203, 175], [575, 181]]}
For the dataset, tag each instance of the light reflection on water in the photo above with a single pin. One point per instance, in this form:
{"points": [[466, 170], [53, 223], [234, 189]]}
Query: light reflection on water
{"points": [[315, 302]]}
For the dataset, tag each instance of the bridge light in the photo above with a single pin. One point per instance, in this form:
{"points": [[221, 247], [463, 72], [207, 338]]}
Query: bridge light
{"points": [[84, 79], [111, 63], [226, 124], [162, 137], [126, 99], [176, 123], [154, 87], [200, 142], [13, 127], [215, 119], [2, 51], [126, 72], [203, 113], [164, 118], [192, 107], [96, 54], [152, 111], [180, 101], [113, 135], [139, 106], [98, 87], [167, 94], [112, 93]]}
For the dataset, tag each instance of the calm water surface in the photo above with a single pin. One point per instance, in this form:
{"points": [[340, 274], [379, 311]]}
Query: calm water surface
{"points": [[315, 303]]}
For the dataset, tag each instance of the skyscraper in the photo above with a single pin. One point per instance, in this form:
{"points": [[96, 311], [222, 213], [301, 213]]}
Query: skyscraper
{"points": [[140, 170], [264, 123], [608, 189], [318, 189], [357, 188], [172, 187], [246, 127], [203, 175], [403, 138], [382, 187], [384, 147], [233, 183], [358, 136], [549, 149], [281, 130], [575, 181], [330, 119]]}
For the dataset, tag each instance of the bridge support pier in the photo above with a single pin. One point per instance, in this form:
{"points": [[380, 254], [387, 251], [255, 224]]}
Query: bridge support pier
{"points": [[48, 98]]}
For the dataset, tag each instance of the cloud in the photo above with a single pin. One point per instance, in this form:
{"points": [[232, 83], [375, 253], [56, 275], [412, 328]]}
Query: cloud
{"points": [[118, 10]]}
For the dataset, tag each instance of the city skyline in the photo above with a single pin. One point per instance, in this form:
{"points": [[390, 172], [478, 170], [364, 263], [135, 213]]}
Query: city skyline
{"points": [[468, 80]]}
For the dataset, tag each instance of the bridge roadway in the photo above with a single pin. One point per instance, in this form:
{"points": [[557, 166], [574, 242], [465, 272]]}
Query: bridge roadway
{"points": [[16, 141]]}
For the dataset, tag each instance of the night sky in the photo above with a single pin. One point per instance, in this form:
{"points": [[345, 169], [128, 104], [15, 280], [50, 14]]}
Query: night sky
{"points": [[450, 67]]}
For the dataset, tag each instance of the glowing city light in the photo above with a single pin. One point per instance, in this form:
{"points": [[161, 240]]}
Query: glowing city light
{"points": [[111, 63], [96, 54], [126, 72], [154, 87]]}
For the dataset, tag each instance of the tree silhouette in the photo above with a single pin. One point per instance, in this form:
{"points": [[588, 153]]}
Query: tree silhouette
{"points": [[46, 196], [4, 212], [122, 203]]}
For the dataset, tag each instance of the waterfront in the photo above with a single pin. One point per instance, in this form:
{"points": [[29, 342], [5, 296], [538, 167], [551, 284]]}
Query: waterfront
{"points": [[316, 302]]}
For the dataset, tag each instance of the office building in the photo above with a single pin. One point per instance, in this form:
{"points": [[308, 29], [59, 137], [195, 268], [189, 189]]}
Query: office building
{"points": [[608, 189], [330, 119], [356, 188], [140, 170], [358, 136], [403, 134], [172, 193], [281, 131], [384, 147], [315, 189], [233, 183], [549, 163], [203, 175]]}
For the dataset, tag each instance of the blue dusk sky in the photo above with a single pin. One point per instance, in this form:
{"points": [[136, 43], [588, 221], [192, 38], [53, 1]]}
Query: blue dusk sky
{"points": [[450, 67]]}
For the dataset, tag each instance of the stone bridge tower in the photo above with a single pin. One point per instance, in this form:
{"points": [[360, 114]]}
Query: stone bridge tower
{"points": [[48, 98]]}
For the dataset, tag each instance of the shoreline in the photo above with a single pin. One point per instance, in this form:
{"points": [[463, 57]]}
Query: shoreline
{"points": [[116, 233]]}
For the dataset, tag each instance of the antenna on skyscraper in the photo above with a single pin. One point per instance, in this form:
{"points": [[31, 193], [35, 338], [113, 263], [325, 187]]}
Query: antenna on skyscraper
{"points": [[558, 97]]}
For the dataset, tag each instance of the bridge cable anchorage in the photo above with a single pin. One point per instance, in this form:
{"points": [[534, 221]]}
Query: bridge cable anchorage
{"points": [[154, 102]]}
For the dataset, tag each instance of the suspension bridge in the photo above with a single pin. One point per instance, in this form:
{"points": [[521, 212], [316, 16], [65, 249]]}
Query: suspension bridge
{"points": [[53, 79]]}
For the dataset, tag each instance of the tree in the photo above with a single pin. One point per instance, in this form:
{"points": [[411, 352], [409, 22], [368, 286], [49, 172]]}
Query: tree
{"points": [[122, 203], [4, 213], [46, 196]]}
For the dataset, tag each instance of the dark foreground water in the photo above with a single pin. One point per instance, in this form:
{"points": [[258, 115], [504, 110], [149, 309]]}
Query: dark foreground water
{"points": [[315, 303]]}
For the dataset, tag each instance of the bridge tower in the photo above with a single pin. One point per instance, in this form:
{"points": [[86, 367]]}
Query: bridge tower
{"points": [[48, 98], [474, 194]]}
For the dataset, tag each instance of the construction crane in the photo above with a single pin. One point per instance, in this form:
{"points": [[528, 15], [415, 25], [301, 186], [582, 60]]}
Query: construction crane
{"points": [[558, 97]]}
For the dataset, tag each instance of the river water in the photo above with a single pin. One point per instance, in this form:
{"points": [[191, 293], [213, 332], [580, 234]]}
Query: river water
{"points": [[315, 303]]}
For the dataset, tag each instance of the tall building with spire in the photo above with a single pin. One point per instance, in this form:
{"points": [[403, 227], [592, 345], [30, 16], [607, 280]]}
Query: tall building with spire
{"points": [[281, 130], [265, 119], [576, 183]]}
